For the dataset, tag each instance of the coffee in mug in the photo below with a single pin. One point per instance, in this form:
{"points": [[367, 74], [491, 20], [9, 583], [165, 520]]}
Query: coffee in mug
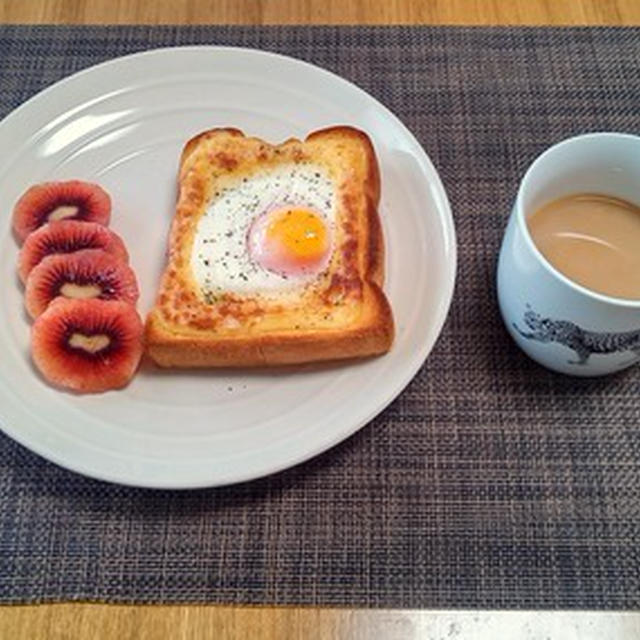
{"points": [[593, 239]]}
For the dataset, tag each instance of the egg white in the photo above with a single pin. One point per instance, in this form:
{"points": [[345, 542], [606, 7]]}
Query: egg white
{"points": [[220, 258]]}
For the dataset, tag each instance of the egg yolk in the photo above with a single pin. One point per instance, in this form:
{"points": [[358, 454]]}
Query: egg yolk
{"points": [[301, 234], [290, 241]]}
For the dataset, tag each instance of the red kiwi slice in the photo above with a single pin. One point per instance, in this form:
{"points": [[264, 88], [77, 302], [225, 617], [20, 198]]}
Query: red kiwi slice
{"points": [[87, 345], [90, 273], [67, 236], [53, 201]]}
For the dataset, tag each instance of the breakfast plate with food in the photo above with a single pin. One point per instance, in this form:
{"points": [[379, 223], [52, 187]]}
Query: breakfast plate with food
{"points": [[218, 263]]}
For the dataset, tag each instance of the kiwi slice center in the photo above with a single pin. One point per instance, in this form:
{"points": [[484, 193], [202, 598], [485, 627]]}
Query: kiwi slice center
{"points": [[80, 291], [62, 212], [91, 344]]}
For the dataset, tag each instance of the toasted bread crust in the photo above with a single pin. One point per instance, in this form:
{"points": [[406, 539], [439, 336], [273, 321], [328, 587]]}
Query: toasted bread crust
{"points": [[182, 330]]}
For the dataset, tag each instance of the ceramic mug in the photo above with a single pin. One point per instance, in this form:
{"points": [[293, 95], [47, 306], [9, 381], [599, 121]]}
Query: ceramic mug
{"points": [[557, 322]]}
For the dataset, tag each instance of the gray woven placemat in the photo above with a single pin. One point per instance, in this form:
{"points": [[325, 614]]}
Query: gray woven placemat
{"points": [[489, 482]]}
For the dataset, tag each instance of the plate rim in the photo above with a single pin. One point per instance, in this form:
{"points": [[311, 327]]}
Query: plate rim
{"points": [[448, 226]]}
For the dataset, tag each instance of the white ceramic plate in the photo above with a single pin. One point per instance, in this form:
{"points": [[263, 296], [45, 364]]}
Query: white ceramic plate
{"points": [[123, 124]]}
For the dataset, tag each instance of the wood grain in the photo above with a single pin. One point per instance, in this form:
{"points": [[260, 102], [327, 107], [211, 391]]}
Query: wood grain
{"points": [[110, 622], [70, 621], [107, 622], [479, 12]]}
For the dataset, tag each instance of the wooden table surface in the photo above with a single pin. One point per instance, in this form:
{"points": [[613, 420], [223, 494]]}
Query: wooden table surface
{"points": [[592, 12], [88, 621]]}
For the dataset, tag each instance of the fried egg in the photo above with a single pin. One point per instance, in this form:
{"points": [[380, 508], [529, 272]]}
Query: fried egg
{"points": [[267, 233]]}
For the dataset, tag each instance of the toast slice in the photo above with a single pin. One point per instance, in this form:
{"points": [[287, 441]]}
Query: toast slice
{"points": [[212, 317]]}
